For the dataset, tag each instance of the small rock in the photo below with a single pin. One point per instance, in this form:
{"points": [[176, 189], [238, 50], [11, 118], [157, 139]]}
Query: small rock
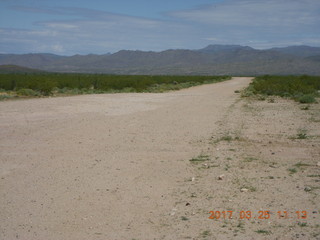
{"points": [[244, 190], [318, 164], [205, 165], [307, 189], [173, 211], [193, 179], [221, 177], [187, 204]]}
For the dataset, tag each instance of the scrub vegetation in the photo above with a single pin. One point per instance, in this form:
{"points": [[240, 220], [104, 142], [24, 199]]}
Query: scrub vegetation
{"points": [[44, 84], [304, 89]]}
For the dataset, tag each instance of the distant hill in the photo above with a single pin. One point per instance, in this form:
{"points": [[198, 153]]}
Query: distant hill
{"points": [[32, 60], [211, 60], [223, 48], [300, 51], [314, 58], [17, 69]]}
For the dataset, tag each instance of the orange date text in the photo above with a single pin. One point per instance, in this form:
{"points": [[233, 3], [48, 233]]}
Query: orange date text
{"points": [[262, 215]]}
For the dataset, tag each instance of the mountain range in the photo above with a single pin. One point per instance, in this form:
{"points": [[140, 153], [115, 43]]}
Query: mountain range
{"points": [[211, 60]]}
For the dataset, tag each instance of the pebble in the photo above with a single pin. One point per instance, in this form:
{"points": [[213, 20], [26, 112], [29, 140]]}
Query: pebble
{"points": [[307, 189], [205, 165], [244, 190], [173, 211], [221, 177]]}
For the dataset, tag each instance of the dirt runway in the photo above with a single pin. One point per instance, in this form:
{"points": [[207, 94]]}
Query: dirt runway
{"points": [[97, 166], [110, 166]]}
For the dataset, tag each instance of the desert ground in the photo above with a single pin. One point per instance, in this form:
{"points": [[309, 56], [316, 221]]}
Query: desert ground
{"points": [[152, 166]]}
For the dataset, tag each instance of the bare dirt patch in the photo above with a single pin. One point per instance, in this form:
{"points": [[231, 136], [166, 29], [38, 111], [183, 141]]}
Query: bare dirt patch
{"points": [[263, 168], [118, 166]]}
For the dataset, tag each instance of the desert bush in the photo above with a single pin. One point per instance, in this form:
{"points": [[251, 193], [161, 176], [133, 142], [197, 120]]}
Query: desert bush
{"points": [[308, 98], [64, 82], [62, 90], [247, 92], [5, 96], [301, 88], [27, 92], [46, 87]]}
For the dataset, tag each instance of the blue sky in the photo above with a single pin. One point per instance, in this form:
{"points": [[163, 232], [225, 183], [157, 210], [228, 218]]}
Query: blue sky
{"points": [[68, 27]]}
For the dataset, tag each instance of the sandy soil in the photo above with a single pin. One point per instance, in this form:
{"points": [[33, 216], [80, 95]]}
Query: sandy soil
{"points": [[118, 166]]}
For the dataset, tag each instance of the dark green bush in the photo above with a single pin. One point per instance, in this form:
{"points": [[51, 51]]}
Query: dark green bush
{"points": [[307, 99], [301, 88], [27, 92], [88, 83], [46, 87], [5, 96]]}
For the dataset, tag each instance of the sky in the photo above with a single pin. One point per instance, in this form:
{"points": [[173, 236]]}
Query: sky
{"points": [[69, 27]]}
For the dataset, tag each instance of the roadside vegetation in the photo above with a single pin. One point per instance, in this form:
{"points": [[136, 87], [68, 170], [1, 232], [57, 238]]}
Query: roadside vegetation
{"points": [[304, 89], [46, 84]]}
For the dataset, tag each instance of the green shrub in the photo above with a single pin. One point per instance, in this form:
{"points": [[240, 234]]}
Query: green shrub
{"points": [[300, 88], [63, 90], [292, 170], [5, 96], [200, 158], [248, 92], [46, 87], [308, 98], [27, 92], [75, 91], [97, 83]]}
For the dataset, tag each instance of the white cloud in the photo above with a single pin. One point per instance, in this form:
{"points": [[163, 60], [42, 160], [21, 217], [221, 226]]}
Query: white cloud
{"points": [[255, 13], [101, 31], [90, 31], [58, 48], [57, 25], [257, 23]]}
